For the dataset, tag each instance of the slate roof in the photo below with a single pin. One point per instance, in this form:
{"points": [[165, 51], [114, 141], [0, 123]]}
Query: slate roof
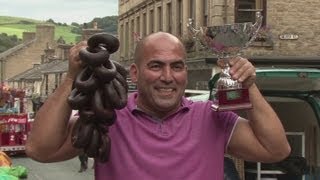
{"points": [[35, 73], [10, 51], [60, 67]]}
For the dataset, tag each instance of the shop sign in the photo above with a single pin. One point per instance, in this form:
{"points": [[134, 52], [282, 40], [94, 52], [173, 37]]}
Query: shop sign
{"points": [[288, 36]]}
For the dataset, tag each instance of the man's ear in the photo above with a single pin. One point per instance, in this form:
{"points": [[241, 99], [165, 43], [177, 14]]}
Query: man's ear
{"points": [[134, 73]]}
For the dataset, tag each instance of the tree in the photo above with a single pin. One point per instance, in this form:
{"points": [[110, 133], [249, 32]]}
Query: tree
{"points": [[109, 24], [51, 21], [7, 42], [75, 24]]}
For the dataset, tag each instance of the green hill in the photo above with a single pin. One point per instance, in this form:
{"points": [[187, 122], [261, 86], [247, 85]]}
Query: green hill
{"points": [[16, 26], [12, 28], [15, 20]]}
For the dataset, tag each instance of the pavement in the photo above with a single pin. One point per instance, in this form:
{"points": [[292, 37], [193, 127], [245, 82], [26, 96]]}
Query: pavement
{"points": [[66, 170]]}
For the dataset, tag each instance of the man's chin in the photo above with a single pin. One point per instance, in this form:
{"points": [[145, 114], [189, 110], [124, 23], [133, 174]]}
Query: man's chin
{"points": [[166, 106]]}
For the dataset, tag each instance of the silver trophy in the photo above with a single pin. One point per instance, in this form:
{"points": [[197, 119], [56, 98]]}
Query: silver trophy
{"points": [[227, 41]]}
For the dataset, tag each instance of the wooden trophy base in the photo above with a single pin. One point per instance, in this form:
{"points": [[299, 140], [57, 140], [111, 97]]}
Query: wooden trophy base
{"points": [[231, 99]]}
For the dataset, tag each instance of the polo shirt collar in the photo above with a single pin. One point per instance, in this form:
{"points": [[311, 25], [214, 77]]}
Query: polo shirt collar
{"points": [[132, 103]]}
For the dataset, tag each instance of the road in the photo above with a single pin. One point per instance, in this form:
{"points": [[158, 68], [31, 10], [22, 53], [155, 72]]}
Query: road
{"points": [[67, 170]]}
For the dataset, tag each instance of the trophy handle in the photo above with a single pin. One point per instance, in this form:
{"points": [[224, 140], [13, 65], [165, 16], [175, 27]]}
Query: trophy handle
{"points": [[192, 29], [199, 35], [255, 28]]}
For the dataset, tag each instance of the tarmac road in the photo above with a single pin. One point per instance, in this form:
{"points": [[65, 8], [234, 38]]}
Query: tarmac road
{"points": [[67, 170]]}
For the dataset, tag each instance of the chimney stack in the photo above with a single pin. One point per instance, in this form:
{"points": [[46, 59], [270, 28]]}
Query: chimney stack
{"points": [[88, 32]]}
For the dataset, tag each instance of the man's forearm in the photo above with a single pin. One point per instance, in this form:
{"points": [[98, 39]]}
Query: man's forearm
{"points": [[50, 127], [266, 125]]}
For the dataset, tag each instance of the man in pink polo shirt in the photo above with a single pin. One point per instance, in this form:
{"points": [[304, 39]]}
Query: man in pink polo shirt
{"points": [[160, 134]]}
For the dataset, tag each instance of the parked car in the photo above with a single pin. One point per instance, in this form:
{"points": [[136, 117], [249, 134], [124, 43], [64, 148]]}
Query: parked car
{"points": [[294, 93]]}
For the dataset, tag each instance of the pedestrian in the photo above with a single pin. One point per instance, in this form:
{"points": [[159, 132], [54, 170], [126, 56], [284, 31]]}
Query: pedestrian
{"points": [[83, 157], [160, 134]]}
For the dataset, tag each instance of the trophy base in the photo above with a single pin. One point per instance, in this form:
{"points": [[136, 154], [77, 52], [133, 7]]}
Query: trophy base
{"points": [[231, 99]]}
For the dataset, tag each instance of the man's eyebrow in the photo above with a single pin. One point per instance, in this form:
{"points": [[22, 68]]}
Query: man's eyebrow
{"points": [[172, 62], [179, 62], [156, 61]]}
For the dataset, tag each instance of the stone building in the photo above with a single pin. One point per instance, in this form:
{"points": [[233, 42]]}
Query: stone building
{"points": [[40, 81], [49, 66], [24, 56], [287, 31]]}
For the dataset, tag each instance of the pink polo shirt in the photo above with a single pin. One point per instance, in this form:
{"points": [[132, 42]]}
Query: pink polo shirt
{"points": [[187, 145]]}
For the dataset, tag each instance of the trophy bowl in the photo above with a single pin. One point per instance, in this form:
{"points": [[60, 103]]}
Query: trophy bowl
{"points": [[227, 41]]}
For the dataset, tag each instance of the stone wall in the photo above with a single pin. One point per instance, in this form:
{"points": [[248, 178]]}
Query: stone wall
{"points": [[283, 18], [26, 57], [22, 60], [295, 21], [287, 18], [298, 18]]}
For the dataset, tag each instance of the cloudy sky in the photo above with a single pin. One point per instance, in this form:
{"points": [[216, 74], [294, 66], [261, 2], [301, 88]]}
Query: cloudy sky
{"points": [[64, 11]]}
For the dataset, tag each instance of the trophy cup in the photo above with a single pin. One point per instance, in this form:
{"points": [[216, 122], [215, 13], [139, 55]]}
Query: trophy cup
{"points": [[227, 41]]}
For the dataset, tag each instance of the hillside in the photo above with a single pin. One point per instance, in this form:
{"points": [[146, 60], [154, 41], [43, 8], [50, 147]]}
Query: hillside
{"points": [[70, 33], [12, 28], [15, 20], [16, 26]]}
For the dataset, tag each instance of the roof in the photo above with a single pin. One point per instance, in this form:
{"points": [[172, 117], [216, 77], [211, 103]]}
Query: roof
{"points": [[35, 73], [60, 67], [15, 49]]}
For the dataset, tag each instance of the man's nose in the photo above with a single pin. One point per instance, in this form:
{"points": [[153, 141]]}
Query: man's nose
{"points": [[166, 75]]}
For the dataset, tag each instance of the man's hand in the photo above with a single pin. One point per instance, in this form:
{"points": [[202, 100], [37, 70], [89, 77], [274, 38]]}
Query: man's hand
{"points": [[75, 63], [243, 71]]}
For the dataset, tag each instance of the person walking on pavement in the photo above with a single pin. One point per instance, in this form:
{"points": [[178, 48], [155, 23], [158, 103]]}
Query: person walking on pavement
{"points": [[83, 162]]}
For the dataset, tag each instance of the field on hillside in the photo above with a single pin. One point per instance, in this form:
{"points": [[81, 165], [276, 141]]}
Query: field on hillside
{"points": [[15, 20], [16, 26]]}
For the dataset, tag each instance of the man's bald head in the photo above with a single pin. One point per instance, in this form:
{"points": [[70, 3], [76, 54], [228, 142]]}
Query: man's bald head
{"points": [[156, 39]]}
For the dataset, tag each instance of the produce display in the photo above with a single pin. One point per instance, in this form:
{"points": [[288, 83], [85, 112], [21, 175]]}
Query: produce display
{"points": [[98, 90]]}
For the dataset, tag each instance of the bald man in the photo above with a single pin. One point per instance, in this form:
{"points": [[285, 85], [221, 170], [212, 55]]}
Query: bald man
{"points": [[160, 134]]}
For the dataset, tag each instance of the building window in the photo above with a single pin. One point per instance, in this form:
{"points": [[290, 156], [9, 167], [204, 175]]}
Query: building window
{"points": [[205, 12], [192, 8], [56, 80], [122, 39], [131, 34], [159, 18], [144, 19], [126, 49], [179, 17], [151, 21], [46, 80], [246, 10], [60, 78], [138, 25], [169, 17]]}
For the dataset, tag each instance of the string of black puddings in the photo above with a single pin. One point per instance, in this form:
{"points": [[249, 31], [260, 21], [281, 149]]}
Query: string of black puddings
{"points": [[98, 90]]}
